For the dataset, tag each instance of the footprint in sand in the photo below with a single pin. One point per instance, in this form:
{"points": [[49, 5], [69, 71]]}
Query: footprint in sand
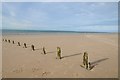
{"points": [[35, 69], [19, 70], [45, 73]]}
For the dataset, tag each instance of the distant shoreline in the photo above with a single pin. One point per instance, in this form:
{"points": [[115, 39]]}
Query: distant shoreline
{"points": [[48, 31]]}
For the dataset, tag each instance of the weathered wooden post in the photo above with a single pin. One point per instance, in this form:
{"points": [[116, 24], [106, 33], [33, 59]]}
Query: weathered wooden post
{"points": [[85, 60], [33, 48], [5, 40], [25, 45], [13, 42], [18, 43], [44, 51], [9, 41], [59, 53]]}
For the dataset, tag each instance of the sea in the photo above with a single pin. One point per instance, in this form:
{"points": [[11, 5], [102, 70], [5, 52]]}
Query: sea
{"points": [[46, 32]]}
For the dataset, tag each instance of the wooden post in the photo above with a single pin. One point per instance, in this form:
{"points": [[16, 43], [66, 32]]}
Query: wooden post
{"points": [[85, 60], [9, 41], [59, 53], [33, 48], [5, 40], [13, 42], [44, 52], [25, 45], [18, 43]]}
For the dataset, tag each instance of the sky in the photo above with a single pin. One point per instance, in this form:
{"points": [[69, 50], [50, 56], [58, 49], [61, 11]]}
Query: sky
{"points": [[62, 16]]}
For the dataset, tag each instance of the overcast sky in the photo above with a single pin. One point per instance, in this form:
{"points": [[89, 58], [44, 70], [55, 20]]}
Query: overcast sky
{"points": [[67, 16]]}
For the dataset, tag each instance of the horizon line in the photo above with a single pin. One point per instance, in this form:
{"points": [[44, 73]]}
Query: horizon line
{"points": [[60, 31]]}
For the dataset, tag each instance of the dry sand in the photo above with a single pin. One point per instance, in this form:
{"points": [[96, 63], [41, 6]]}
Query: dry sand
{"points": [[0, 56], [19, 62]]}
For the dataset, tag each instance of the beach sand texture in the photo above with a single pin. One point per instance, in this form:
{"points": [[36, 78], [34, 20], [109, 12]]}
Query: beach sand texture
{"points": [[19, 62]]}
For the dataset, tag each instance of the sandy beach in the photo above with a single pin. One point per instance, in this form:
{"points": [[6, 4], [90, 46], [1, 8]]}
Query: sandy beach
{"points": [[19, 62]]}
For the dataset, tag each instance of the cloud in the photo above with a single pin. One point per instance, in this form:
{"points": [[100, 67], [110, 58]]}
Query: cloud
{"points": [[12, 13], [100, 4], [59, 16], [97, 28], [17, 17], [59, 0], [0, 15]]}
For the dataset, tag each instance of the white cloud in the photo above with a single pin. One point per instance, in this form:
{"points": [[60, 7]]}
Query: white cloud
{"points": [[13, 23], [99, 4], [54, 16], [102, 28], [19, 19], [60, 0], [102, 3], [12, 14], [0, 15]]}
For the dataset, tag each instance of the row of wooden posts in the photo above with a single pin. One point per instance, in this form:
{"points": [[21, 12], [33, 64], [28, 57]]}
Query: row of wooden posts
{"points": [[33, 47], [86, 63]]}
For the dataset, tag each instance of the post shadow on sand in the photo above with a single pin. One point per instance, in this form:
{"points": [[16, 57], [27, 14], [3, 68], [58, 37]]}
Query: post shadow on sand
{"points": [[51, 52], [38, 48], [31, 46], [72, 55], [94, 63], [98, 61], [28, 45]]}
